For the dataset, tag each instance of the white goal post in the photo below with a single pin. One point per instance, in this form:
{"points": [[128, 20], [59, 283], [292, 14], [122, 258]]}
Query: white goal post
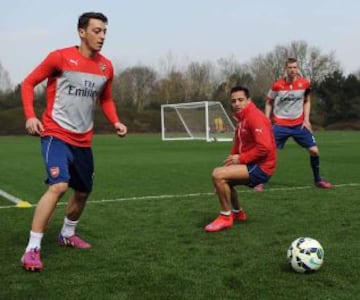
{"points": [[204, 120]]}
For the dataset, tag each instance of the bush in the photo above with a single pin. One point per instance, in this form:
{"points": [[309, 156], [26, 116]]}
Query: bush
{"points": [[345, 125]]}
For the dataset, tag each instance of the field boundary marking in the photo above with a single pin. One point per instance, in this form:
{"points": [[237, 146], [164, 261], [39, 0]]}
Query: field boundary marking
{"points": [[18, 202], [191, 195]]}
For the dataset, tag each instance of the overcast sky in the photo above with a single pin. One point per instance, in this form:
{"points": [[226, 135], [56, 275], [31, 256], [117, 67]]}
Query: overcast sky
{"points": [[144, 31]]}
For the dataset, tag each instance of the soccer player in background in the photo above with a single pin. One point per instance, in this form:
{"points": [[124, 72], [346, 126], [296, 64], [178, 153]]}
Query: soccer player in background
{"points": [[251, 161], [77, 78], [289, 103]]}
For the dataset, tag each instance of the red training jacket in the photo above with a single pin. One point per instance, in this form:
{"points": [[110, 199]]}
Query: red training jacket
{"points": [[254, 139]]}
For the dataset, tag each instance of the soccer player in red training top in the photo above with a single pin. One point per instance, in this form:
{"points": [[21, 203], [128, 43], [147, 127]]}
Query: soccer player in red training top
{"points": [[77, 77], [252, 159], [289, 102]]}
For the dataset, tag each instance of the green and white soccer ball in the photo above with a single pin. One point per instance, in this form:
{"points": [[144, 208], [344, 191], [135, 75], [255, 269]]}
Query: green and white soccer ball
{"points": [[305, 255]]}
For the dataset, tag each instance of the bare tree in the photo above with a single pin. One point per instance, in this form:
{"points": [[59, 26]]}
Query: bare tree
{"points": [[200, 78], [5, 82], [231, 73], [357, 74], [171, 89], [312, 63], [168, 84], [263, 73], [227, 67], [136, 85]]}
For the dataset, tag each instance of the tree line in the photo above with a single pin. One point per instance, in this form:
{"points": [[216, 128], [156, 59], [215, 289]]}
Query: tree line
{"points": [[140, 90]]}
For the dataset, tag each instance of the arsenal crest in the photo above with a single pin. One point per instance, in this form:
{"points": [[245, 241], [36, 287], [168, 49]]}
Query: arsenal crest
{"points": [[102, 67], [54, 172]]}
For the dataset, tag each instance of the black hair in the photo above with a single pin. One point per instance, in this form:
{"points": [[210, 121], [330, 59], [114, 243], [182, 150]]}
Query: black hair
{"points": [[240, 88], [85, 18]]}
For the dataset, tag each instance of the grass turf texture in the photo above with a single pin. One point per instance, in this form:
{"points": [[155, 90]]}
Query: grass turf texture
{"points": [[156, 248]]}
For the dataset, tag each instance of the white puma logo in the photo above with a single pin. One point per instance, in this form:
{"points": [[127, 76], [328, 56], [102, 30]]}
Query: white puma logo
{"points": [[73, 61]]}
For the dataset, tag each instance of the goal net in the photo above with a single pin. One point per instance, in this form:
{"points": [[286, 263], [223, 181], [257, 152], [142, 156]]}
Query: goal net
{"points": [[206, 120]]}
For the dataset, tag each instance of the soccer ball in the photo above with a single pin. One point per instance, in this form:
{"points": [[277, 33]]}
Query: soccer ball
{"points": [[305, 255]]}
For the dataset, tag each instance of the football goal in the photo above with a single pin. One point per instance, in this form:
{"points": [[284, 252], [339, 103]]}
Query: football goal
{"points": [[205, 120]]}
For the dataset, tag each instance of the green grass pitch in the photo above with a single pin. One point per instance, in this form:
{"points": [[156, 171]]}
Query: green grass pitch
{"points": [[146, 215]]}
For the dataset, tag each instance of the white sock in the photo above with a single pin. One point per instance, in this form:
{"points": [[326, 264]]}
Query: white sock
{"points": [[226, 213], [34, 240], [237, 210], [68, 228]]}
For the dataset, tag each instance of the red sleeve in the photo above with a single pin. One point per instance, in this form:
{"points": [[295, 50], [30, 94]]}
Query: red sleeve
{"points": [[107, 101], [262, 135], [50, 65]]}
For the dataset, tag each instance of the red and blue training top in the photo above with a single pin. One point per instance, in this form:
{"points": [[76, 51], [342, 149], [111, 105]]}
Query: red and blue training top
{"points": [[288, 101], [74, 84]]}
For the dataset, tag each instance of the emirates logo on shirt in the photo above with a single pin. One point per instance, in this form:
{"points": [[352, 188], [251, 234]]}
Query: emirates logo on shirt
{"points": [[87, 90], [54, 172]]}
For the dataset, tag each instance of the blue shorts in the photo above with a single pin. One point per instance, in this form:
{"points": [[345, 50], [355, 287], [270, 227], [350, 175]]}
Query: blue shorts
{"points": [[67, 163], [256, 175], [300, 134]]}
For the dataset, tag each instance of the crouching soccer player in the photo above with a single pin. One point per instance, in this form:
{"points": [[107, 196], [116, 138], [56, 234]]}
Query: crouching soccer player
{"points": [[251, 162]]}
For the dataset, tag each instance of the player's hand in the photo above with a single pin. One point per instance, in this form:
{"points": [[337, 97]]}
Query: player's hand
{"points": [[307, 125], [232, 160], [33, 126], [121, 129]]}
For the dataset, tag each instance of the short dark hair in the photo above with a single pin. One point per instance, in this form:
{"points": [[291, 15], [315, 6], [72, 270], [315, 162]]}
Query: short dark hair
{"points": [[290, 60], [85, 18], [240, 88]]}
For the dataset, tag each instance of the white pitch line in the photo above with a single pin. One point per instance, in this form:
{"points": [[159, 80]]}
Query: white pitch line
{"points": [[198, 194], [7, 206], [210, 194], [19, 203], [9, 197]]}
